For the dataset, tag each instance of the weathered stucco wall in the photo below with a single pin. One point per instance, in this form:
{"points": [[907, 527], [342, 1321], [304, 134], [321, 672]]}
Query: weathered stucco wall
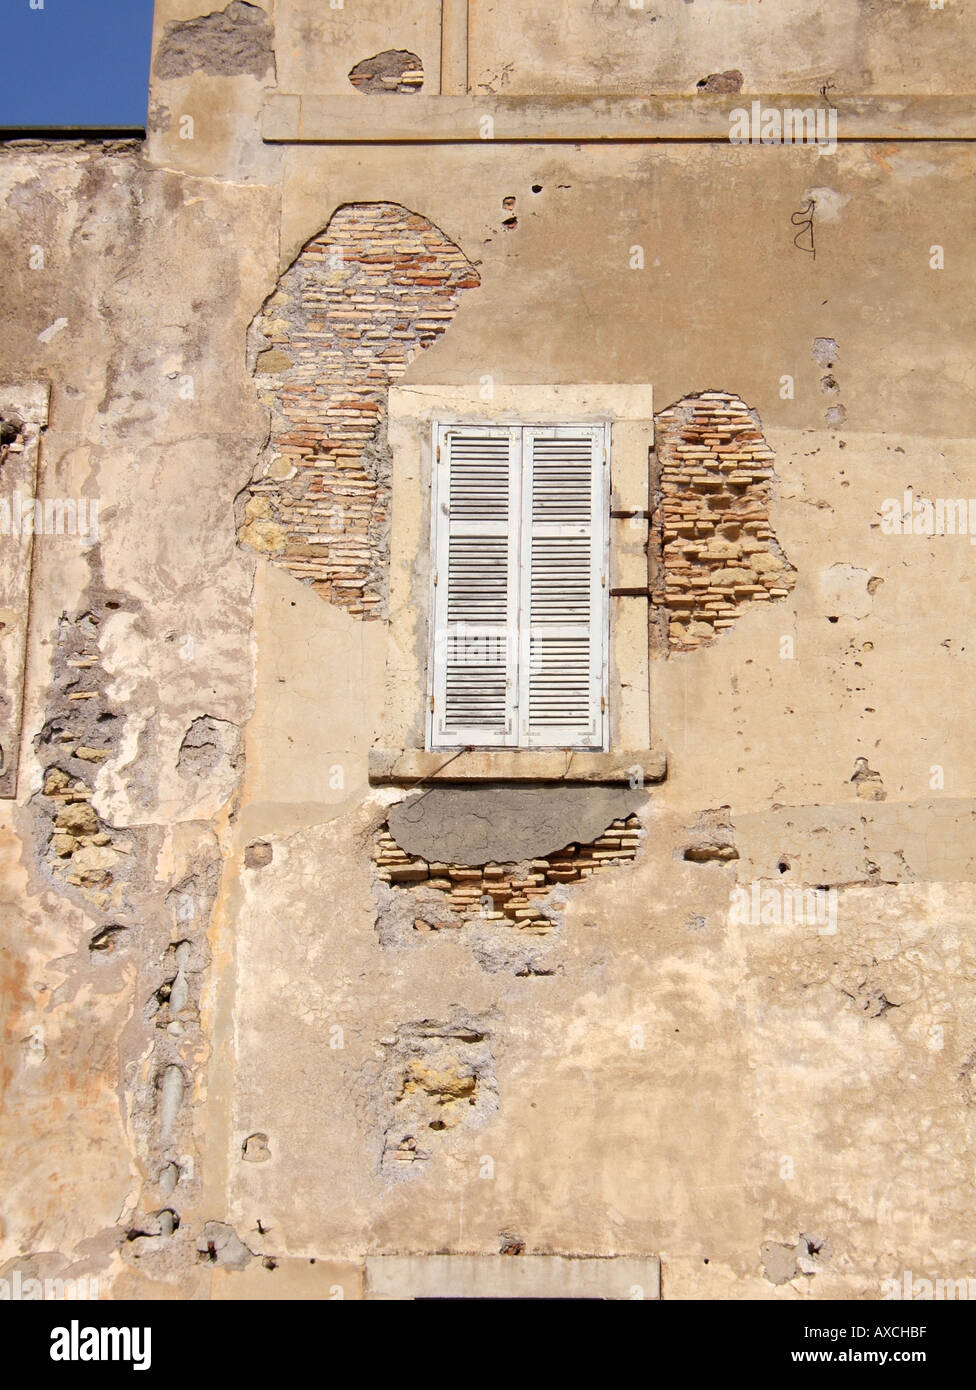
{"points": [[245, 1027], [639, 46]]}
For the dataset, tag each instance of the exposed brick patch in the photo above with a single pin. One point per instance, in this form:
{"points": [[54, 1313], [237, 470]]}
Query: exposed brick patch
{"points": [[711, 532], [395, 71], [514, 890], [361, 300]]}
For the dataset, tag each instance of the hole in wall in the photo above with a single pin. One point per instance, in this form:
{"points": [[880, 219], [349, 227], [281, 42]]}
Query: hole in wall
{"points": [[10, 430], [255, 1148], [107, 940], [395, 71]]}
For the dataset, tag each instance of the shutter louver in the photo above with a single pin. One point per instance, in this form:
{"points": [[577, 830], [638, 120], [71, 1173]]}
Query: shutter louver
{"points": [[477, 499], [563, 600]]}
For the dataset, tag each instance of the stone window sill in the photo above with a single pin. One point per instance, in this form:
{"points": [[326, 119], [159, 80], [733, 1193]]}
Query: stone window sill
{"points": [[401, 765]]}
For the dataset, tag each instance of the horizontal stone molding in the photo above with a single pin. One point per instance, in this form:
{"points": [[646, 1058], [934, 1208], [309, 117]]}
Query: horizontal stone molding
{"points": [[506, 1276], [401, 766], [290, 118]]}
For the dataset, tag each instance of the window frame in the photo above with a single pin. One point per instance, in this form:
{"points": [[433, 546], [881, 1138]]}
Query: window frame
{"points": [[398, 755], [522, 739]]}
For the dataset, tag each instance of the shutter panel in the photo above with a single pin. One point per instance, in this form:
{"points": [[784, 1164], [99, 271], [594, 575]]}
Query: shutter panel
{"points": [[563, 621], [475, 646]]}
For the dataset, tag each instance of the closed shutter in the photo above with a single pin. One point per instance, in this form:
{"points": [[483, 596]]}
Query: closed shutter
{"points": [[520, 607], [476, 591], [563, 605]]}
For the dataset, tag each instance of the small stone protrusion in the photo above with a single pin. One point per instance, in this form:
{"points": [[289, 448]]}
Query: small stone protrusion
{"points": [[258, 854], [729, 81]]}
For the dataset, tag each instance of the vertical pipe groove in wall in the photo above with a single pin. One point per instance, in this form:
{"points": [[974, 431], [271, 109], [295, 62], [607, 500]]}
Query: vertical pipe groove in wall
{"points": [[454, 47]]}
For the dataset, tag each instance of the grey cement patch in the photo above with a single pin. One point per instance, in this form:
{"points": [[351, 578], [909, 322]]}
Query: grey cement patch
{"points": [[221, 1244], [226, 43], [781, 1263], [211, 748], [729, 81], [825, 351], [472, 826]]}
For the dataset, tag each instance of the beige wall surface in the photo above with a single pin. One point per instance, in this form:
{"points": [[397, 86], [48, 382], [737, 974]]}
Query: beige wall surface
{"points": [[794, 45], [231, 1046]]}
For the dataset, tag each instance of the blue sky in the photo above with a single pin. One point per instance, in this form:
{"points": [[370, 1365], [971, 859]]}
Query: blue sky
{"points": [[75, 62]]}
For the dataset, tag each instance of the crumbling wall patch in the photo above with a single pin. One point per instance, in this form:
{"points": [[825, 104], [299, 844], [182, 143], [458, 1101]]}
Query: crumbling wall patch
{"points": [[393, 71], [79, 734], [226, 43], [435, 1078], [717, 551], [152, 934], [435, 895], [360, 301]]}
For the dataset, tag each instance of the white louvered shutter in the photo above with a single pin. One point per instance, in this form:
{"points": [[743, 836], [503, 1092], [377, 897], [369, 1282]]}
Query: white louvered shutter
{"points": [[476, 589], [563, 617]]}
